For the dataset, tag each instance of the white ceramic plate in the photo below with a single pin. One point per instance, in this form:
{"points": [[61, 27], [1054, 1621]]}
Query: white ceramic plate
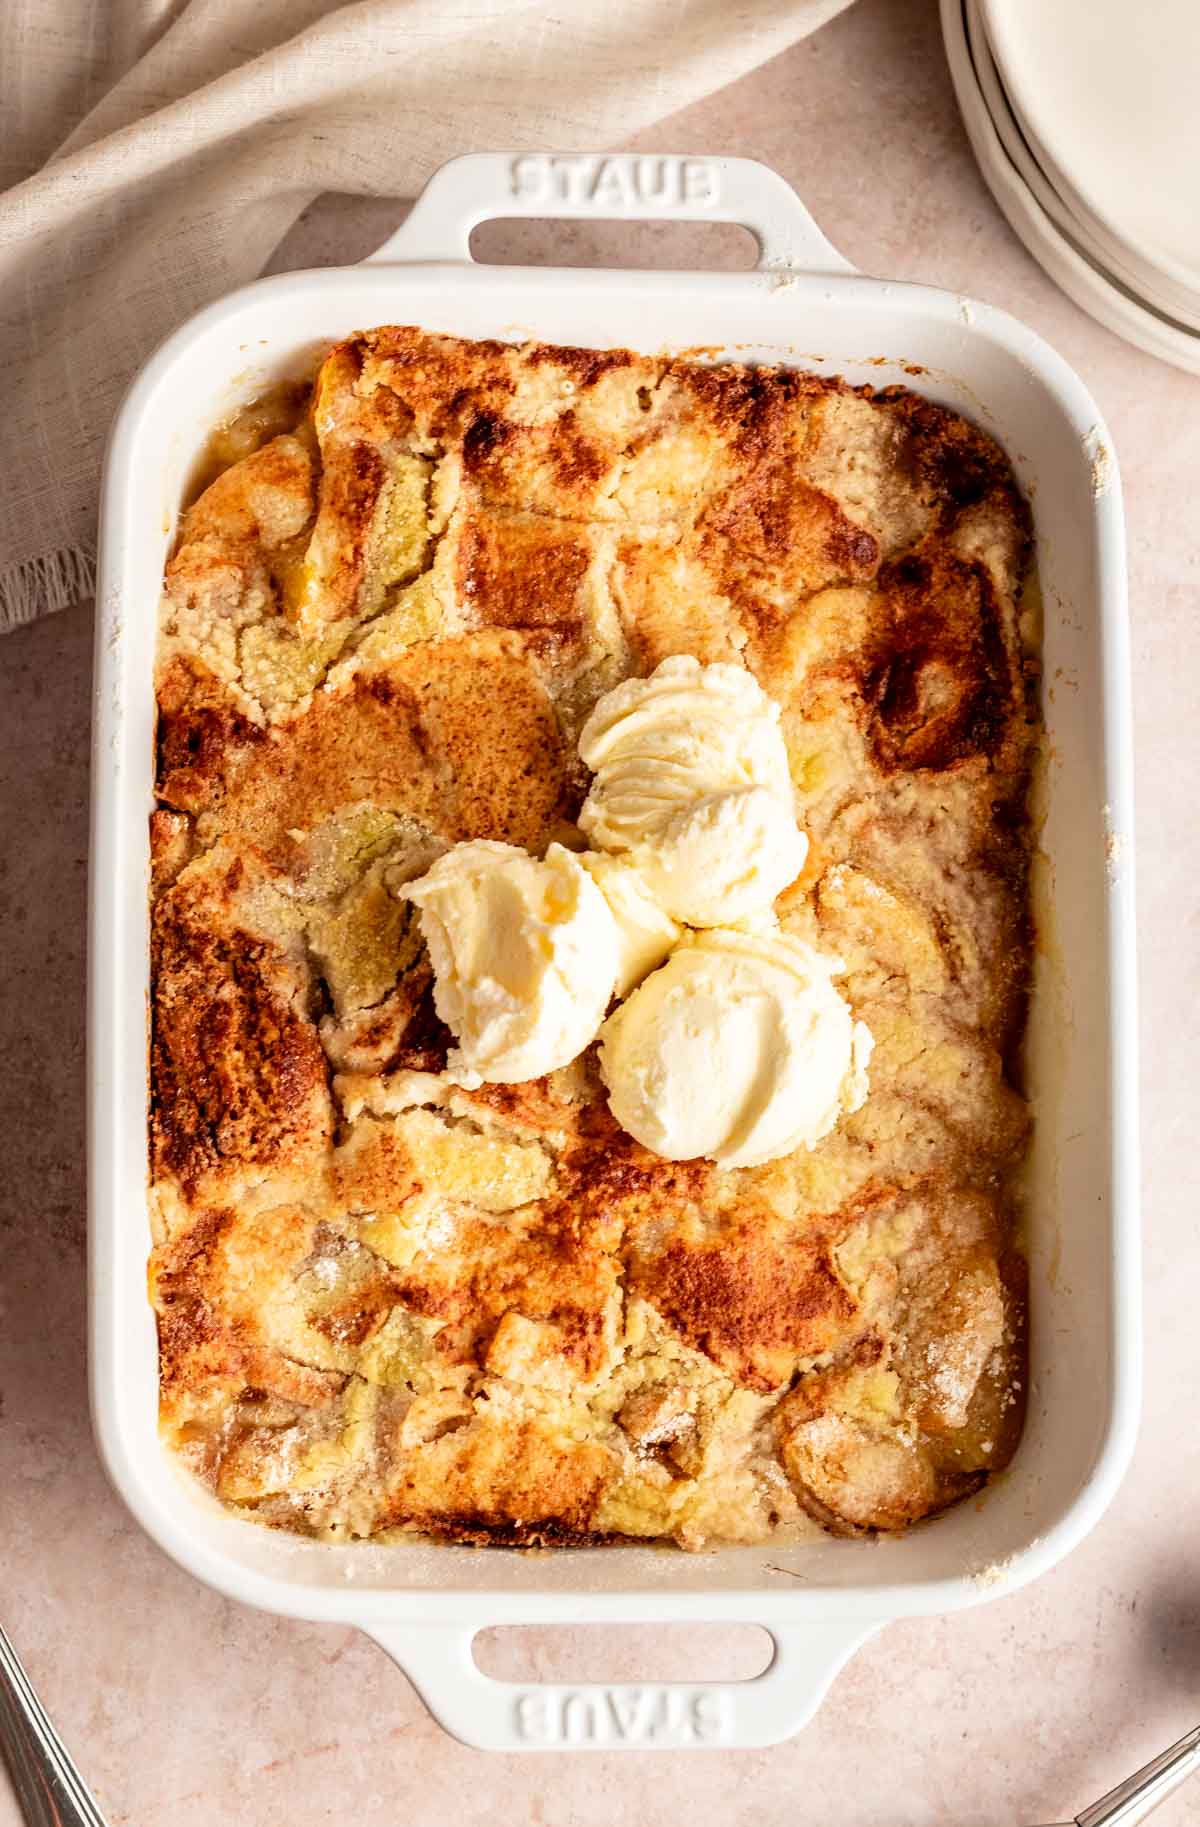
{"points": [[1151, 284], [1158, 287], [1107, 92], [1066, 264], [1113, 261]]}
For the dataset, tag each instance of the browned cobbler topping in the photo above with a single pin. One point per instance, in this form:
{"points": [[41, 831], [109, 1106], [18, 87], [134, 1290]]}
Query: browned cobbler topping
{"points": [[387, 1303]]}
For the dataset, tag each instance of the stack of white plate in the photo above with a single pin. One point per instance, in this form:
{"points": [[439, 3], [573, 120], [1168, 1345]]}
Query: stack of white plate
{"points": [[1085, 118]]}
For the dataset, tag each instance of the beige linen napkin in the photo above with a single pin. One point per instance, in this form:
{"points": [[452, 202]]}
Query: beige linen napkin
{"points": [[153, 153]]}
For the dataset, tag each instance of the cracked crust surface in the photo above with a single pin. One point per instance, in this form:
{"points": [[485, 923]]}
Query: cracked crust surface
{"points": [[388, 1304]]}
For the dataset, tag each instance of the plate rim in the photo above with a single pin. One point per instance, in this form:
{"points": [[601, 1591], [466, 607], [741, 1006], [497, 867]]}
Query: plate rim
{"points": [[1000, 21]]}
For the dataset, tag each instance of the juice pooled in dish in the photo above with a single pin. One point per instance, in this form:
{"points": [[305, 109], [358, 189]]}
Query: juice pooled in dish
{"points": [[591, 952]]}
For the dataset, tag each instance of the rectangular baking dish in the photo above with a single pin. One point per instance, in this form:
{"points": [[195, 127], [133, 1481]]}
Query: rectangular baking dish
{"points": [[801, 304]]}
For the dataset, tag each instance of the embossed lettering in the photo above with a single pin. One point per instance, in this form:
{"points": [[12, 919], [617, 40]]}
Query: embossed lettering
{"points": [[574, 174], [619, 183], [673, 1720], [580, 1719], [531, 177], [699, 182], [533, 1716], [711, 1715], [632, 1711], [611, 185], [655, 180], [625, 1715]]}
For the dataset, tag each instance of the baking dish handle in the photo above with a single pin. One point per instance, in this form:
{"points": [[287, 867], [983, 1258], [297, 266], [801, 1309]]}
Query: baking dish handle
{"points": [[625, 186], [592, 1716]]}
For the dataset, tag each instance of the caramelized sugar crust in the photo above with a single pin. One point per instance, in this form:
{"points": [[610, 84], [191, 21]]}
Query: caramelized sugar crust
{"points": [[388, 1304]]}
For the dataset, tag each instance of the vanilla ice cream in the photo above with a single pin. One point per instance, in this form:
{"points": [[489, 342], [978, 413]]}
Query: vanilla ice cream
{"points": [[525, 957], [691, 782], [738, 1048], [723, 858], [645, 931]]}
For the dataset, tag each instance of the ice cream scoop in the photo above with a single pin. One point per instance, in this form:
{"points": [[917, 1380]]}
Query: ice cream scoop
{"points": [[524, 953], [738, 1048]]}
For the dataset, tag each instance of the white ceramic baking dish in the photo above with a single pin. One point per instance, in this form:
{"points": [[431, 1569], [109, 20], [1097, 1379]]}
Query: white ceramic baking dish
{"points": [[802, 304]]}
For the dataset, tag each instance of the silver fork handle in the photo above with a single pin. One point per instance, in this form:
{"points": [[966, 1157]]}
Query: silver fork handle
{"points": [[1133, 1799], [49, 1787]]}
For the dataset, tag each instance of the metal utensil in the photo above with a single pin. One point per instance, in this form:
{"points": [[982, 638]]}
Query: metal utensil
{"points": [[49, 1787], [1134, 1799]]}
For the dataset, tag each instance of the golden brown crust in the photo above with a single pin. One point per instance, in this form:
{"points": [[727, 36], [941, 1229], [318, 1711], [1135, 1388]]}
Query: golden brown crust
{"points": [[387, 1303], [513, 1486], [240, 1079], [755, 1310]]}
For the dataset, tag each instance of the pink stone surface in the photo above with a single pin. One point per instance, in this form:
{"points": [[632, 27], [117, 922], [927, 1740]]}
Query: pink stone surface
{"points": [[183, 1708]]}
